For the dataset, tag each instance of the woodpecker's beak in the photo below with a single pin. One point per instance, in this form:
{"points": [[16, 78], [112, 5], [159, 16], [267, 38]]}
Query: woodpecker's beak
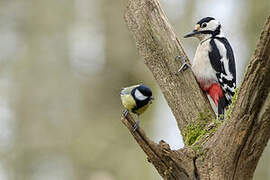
{"points": [[194, 32]]}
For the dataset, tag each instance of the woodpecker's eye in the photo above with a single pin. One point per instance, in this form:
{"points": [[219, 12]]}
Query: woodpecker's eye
{"points": [[204, 25]]}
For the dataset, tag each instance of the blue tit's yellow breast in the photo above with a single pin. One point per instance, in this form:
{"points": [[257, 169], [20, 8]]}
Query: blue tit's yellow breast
{"points": [[128, 102], [141, 109]]}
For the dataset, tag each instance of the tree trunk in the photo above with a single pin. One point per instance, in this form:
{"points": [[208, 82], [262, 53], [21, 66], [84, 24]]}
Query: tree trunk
{"points": [[213, 149]]}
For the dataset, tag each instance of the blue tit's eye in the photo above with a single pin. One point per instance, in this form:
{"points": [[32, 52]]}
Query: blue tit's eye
{"points": [[203, 25]]}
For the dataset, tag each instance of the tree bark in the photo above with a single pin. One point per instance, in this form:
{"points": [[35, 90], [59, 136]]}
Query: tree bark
{"points": [[213, 149], [158, 44]]}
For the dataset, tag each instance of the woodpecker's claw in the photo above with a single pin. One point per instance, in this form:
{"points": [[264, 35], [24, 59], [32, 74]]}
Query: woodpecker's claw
{"points": [[220, 117], [184, 67], [125, 113], [183, 60]]}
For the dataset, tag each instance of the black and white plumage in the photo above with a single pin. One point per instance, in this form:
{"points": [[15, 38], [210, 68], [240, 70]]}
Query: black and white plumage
{"points": [[214, 64]]}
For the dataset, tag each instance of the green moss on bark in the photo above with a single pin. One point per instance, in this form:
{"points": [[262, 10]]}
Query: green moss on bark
{"points": [[194, 133], [229, 110], [203, 125], [197, 129]]}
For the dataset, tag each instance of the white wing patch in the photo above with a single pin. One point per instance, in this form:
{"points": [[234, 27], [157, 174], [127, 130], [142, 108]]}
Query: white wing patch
{"points": [[228, 77], [222, 51], [139, 95]]}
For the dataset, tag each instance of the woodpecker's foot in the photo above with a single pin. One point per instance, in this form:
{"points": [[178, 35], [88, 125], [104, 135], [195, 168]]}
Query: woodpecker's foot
{"points": [[135, 127], [221, 117], [125, 113], [184, 61]]}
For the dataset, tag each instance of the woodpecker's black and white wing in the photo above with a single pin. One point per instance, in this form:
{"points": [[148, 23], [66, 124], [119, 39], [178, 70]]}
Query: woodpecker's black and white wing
{"points": [[222, 60]]}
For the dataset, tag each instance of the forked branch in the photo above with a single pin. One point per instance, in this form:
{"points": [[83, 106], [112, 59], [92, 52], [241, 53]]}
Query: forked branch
{"points": [[232, 152]]}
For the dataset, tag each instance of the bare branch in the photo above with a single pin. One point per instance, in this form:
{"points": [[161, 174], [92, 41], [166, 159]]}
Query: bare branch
{"points": [[254, 100], [170, 164]]}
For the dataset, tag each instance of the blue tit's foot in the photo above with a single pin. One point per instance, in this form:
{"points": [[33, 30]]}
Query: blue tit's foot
{"points": [[125, 113], [184, 61], [135, 127]]}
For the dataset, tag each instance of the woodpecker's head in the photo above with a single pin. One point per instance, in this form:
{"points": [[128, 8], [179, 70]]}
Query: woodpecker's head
{"points": [[205, 28]]}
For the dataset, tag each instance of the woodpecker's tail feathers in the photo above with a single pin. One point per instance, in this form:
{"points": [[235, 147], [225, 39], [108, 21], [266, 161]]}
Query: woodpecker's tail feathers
{"points": [[221, 107]]}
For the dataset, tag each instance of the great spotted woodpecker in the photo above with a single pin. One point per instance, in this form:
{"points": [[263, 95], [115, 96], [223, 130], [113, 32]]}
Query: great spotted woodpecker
{"points": [[214, 64]]}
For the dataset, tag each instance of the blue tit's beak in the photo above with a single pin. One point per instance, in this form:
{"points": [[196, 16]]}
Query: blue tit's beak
{"points": [[194, 32], [121, 92], [151, 99]]}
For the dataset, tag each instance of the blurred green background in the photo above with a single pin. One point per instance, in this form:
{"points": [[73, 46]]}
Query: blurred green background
{"points": [[62, 65]]}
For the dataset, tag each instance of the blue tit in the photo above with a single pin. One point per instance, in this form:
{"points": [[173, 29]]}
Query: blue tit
{"points": [[136, 99]]}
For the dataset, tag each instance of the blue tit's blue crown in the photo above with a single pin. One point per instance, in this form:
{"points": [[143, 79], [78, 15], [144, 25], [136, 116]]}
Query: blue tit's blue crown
{"points": [[142, 95], [146, 91]]}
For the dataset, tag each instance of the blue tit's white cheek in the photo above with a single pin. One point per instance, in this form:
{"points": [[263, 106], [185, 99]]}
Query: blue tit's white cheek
{"points": [[138, 95]]}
